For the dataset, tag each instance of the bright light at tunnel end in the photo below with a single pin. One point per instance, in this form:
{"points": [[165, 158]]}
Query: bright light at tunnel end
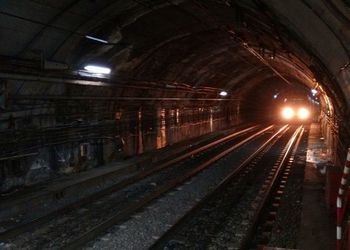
{"points": [[223, 93], [288, 113], [97, 69], [303, 113]]}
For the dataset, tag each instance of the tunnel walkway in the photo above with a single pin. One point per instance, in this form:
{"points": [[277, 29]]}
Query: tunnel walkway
{"points": [[317, 229]]}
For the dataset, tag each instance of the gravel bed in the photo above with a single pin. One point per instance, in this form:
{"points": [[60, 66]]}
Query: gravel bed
{"points": [[141, 231], [55, 234], [48, 203]]}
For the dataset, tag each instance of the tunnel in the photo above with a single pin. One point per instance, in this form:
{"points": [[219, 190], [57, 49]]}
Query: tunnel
{"points": [[88, 85]]}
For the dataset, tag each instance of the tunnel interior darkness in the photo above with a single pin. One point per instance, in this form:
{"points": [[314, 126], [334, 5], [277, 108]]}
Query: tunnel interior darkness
{"points": [[265, 102], [169, 61]]}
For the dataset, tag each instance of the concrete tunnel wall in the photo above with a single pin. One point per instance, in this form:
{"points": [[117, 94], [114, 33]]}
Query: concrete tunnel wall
{"points": [[60, 137]]}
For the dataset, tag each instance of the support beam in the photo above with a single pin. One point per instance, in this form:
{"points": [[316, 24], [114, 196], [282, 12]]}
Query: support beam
{"points": [[115, 98]]}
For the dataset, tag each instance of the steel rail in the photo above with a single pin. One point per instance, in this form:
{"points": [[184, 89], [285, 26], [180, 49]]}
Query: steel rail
{"points": [[13, 232], [245, 243], [159, 244], [138, 205]]}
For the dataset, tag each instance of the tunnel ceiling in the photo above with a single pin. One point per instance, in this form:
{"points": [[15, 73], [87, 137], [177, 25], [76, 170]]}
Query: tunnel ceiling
{"points": [[183, 48]]}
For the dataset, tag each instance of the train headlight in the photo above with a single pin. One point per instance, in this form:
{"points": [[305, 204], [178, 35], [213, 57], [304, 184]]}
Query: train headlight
{"points": [[288, 113], [303, 113]]}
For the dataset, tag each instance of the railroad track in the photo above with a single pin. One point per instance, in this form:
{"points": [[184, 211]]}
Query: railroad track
{"points": [[228, 216], [272, 196], [92, 220], [29, 224]]}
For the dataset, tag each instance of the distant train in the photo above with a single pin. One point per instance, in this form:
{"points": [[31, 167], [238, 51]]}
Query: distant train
{"points": [[296, 111]]}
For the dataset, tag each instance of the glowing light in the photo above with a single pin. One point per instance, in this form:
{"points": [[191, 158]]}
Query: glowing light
{"points": [[97, 69], [288, 113], [96, 39], [313, 92], [303, 113], [223, 93]]}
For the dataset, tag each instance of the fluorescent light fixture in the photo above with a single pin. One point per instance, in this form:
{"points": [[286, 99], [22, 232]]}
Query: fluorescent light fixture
{"points": [[97, 69], [96, 39], [223, 93]]}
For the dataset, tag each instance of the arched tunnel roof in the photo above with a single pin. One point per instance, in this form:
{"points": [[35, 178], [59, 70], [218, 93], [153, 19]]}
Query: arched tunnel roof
{"points": [[194, 47], [187, 82]]}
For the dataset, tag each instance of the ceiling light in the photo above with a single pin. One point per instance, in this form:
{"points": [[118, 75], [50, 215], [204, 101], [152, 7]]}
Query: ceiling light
{"points": [[96, 39], [97, 69], [223, 93], [313, 92]]}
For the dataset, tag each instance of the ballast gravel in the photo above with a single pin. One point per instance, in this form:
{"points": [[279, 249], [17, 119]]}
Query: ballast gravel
{"points": [[144, 228]]}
